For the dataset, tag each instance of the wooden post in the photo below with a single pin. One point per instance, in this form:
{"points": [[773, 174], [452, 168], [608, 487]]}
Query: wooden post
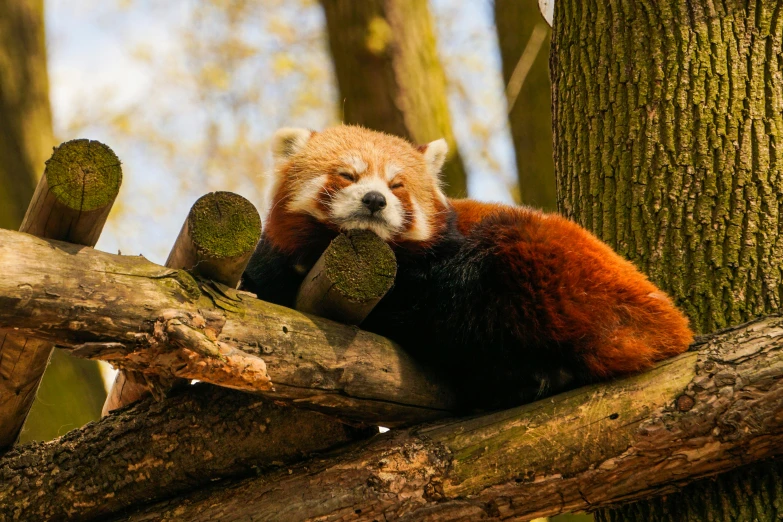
{"points": [[71, 203], [218, 238], [215, 242], [349, 279]]}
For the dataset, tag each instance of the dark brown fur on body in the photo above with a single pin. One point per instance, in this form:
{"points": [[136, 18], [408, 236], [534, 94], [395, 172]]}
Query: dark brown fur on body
{"points": [[510, 302]]}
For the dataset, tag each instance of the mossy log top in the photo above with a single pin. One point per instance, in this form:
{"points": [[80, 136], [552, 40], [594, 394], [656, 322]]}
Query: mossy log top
{"points": [[217, 238], [75, 194], [701, 413], [349, 279], [141, 316], [84, 174], [361, 265], [224, 224]]}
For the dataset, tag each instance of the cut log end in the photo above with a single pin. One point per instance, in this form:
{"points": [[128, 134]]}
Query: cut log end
{"points": [[218, 238], [360, 265], [84, 175], [349, 279], [224, 225]]}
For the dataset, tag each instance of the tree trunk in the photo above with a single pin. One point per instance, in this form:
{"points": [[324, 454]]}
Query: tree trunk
{"points": [[389, 74], [748, 493], [523, 36], [26, 141], [667, 121]]}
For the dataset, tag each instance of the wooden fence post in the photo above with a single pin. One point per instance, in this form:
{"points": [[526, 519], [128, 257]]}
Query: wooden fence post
{"points": [[71, 203]]}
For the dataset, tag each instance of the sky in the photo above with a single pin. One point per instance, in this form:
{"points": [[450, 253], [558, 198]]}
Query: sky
{"points": [[94, 65]]}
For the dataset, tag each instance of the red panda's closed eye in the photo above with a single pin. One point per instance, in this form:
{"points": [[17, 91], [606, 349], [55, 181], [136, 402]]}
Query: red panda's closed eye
{"points": [[347, 175]]}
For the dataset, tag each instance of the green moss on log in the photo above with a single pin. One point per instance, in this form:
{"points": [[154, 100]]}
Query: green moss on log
{"points": [[361, 266], [224, 225], [84, 174]]}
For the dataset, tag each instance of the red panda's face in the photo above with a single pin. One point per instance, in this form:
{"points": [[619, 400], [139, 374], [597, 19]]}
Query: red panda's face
{"points": [[352, 178]]}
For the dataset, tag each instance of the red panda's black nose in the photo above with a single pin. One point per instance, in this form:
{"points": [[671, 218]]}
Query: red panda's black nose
{"points": [[374, 201]]}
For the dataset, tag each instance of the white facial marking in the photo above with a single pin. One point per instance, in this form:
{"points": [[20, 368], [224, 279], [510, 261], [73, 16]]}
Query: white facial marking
{"points": [[392, 170], [356, 163], [349, 213], [441, 197], [421, 230], [306, 197]]}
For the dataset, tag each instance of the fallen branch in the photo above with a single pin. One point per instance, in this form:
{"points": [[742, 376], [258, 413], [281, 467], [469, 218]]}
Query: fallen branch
{"points": [[699, 414], [157, 449], [144, 317]]}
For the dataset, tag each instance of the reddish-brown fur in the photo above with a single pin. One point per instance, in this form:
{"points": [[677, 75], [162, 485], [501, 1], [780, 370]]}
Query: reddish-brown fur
{"points": [[470, 212], [590, 285]]}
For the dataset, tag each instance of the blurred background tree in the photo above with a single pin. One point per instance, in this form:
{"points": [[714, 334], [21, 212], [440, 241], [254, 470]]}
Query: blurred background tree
{"points": [[25, 118], [72, 392], [523, 38], [390, 76]]}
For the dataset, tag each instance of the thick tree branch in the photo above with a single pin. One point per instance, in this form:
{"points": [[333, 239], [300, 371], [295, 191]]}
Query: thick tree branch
{"points": [[157, 449], [698, 414], [144, 317]]}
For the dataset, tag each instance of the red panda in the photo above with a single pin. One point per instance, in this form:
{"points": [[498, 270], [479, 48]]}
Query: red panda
{"points": [[516, 302]]}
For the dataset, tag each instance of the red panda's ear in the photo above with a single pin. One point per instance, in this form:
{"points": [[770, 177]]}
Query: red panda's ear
{"points": [[287, 142], [435, 155]]}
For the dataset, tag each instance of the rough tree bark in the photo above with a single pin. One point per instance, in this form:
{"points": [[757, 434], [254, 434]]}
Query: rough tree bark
{"points": [[153, 450], [690, 416], [145, 317], [389, 74], [668, 117], [523, 37]]}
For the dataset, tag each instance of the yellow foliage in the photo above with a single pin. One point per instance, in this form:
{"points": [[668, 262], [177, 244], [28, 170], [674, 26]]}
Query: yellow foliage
{"points": [[283, 64], [214, 76], [379, 36]]}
